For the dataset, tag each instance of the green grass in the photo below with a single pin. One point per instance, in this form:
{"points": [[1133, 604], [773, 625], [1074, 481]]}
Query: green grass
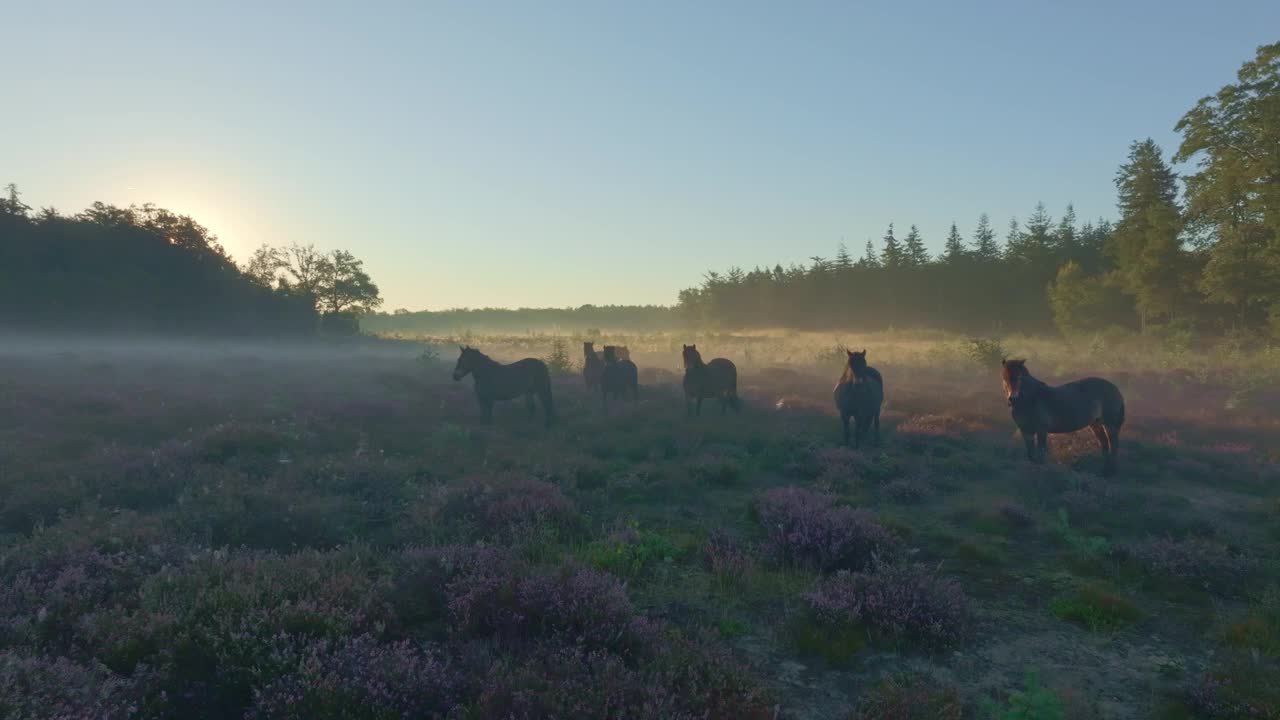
{"points": [[1095, 607]]}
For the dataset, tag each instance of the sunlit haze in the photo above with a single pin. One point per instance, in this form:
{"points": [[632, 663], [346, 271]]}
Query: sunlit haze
{"points": [[553, 154]]}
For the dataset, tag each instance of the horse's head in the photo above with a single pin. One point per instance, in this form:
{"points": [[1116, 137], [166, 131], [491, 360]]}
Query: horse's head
{"points": [[610, 354], [467, 361], [622, 352], [1012, 373], [588, 349], [691, 356], [857, 361]]}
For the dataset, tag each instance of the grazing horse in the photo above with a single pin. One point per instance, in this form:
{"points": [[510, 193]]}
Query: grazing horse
{"points": [[619, 377], [494, 381], [859, 395], [1039, 409], [592, 366], [716, 379]]}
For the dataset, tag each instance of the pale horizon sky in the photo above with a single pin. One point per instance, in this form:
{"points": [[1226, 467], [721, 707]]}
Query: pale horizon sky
{"points": [[557, 154]]}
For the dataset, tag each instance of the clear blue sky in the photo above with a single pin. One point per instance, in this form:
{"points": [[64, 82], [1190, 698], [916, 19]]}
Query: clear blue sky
{"points": [[559, 153]]}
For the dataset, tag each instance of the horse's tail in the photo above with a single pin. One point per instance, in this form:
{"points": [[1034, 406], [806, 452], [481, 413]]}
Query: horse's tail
{"points": [[733, 389]]}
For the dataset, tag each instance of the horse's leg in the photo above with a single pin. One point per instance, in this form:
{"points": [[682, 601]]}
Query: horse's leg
{"points": [[876, 421], [1100, 433], [486, 411], [529, 405], [1042, 444], [698, 407], [1113, 439], [844, 421], [1029, 440]]}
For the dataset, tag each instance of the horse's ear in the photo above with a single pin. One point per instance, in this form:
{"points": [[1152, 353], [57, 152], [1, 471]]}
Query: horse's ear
{"points": [[864, 351], [849, 351]]}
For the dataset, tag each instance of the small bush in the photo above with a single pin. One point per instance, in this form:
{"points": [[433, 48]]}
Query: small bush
{"points": [[908, 602], [909, 697], [35, 688], [985, 352], [808, 529], [1033, 702], [498, 506], [358, 678], [1196, 560], [631, 555], [726, 554], [1094, 607], [559, 362]]}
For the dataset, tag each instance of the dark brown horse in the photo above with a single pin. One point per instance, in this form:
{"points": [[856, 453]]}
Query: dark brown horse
{"points": [[715, 379], [592, 366], [495, 382], [620, 377], [859, 395], [1039, 409]]}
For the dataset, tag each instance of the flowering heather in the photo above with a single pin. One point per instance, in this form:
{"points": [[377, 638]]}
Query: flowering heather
{"points": [[360, 679], [911, 489], [1214, 699], [909, 697], [807, 528], [41, 688], [1193, 559], [1014, 514], [686, 680], [464, 585], [499, 504], [906, 601], [727, 554], [588, 606]]}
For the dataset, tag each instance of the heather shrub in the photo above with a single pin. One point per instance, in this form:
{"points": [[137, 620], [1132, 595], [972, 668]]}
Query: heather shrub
{"points": [[808, 529], [727, 555], [45, 595], [908, 490], [220, 623], [1214, 698], [497, 506], [1200, 561], [254, 448], [907, 602], [360, 679], [909, 697], [436, 590], [35, 688]]}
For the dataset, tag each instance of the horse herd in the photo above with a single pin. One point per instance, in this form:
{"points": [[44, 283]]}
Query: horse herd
{"points": [[1038, 409]]}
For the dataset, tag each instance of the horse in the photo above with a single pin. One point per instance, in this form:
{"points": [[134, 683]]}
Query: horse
{"points": [[715, 379], [494, 381], [1039, 409], [592, 366], [619, 376], [859, 395]]}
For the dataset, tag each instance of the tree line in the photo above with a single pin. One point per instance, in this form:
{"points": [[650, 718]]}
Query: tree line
{"points": [[1205, 258], [149, 270], [614, 318]]}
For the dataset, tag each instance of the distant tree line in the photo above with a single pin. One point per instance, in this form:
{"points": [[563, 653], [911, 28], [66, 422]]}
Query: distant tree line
{"points": [[615, 318], [147, 269], [1206, 259]]}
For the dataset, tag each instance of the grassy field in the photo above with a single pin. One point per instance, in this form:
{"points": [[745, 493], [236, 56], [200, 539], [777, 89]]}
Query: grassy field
{"points": [[219, 532]]}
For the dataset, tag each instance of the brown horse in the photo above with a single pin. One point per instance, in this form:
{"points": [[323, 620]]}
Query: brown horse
{"points": [[716, 379], [494, 382], [592, 366], [620, 377], [1039, 409], [859, 395]]}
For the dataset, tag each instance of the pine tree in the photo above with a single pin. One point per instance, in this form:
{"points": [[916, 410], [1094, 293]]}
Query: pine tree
{"points": [[1065, 238], [985, 248], [892, 255], [955, 250], [843, 260], [1145, 247], [1015, 243], [869, 257], [916, 255]]}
